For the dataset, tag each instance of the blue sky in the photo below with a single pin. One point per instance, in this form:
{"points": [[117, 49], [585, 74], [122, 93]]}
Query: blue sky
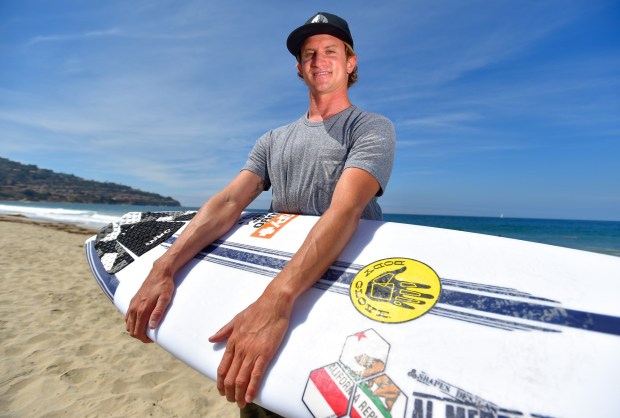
{"points": [[499, 106]]}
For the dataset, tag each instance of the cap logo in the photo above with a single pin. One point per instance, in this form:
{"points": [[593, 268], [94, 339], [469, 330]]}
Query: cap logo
{"points": [[319, 19]]}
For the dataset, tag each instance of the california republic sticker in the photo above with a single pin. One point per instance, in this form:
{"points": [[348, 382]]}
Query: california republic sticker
{"points": [[356, 385], [395, 290]]}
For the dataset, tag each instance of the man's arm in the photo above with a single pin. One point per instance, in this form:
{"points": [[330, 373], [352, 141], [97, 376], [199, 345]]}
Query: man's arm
{"points": [[255, 334], [213, 220]]}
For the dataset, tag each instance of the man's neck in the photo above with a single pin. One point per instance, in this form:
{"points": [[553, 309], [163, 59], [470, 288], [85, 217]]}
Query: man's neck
{"points": [[324, 106]]}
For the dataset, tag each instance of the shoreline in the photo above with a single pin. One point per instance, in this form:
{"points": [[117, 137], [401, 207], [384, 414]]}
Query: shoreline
{"points": [[58, 226], [65, 351]]}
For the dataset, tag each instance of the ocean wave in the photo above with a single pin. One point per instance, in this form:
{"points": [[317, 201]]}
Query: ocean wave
{"points": [[83, 217]]}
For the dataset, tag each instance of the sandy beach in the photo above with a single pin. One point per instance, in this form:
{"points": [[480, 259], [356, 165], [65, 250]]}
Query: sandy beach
{"points": [[65, 351]]}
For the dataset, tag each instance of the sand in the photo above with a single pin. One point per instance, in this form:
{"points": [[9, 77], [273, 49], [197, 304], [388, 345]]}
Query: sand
{"points": [[64, 349]]}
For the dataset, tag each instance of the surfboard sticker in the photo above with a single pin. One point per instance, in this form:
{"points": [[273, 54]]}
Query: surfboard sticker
{"points": [[270, 224], [436, 397], [356, 385], [395, 290]]}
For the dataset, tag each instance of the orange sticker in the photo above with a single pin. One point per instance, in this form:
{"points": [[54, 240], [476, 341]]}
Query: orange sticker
{"points": [[271, 227]]}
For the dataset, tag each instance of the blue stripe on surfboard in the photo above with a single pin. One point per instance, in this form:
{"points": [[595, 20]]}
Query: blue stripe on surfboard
{"points": [[493, 289], [106, 281], [213, 255], [482, 320], [555, 315], [335, 279], [278, 253], [334, 275]]}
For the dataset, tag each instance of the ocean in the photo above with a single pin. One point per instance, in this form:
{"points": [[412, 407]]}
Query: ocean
{"points": [[596, 236]]}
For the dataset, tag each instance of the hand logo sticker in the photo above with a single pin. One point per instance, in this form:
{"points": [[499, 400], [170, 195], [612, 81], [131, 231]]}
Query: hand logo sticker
{"points": [[395, 290]]}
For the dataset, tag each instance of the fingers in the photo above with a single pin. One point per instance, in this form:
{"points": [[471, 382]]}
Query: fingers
{"points": [[135, 324], [147, 308], [254, 336], [142, 313], [158, 313], [239, 376], [242, 381], [237, 371], [233, 379], [256, 377], [222, 369]]}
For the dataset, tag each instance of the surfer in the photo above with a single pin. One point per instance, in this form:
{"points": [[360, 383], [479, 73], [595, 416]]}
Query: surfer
{"points": [[335, 161]]}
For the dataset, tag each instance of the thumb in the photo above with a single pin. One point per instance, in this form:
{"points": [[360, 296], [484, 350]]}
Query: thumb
{"points": [[158, 313], [223, 333]]}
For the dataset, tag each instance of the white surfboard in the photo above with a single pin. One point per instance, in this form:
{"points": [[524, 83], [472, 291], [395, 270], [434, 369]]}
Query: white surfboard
{"points": [[411, 321]]}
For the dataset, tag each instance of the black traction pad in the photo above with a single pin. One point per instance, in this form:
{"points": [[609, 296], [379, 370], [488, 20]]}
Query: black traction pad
{"points": [[136, 233]]}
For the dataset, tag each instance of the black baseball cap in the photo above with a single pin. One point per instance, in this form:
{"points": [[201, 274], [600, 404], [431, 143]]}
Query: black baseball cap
{"points": [[319, 24]]}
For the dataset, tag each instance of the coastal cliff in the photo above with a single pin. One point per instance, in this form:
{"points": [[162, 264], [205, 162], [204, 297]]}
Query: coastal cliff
{"points": [[24, 182]]}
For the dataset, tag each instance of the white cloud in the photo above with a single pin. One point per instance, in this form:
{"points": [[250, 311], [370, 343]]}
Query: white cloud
{"points": [[113, 32]]}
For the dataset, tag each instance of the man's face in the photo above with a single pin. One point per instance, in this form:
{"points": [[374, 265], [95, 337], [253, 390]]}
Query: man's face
{"points": [[324, 64]]}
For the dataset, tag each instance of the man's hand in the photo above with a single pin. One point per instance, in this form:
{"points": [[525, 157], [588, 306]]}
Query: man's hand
{"points": [[214, 219], [149, 304], [254, 336]]}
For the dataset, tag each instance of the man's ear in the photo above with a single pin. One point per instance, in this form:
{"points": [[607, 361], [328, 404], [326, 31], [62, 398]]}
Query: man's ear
{"points": [[351, 63], [300, 73]]}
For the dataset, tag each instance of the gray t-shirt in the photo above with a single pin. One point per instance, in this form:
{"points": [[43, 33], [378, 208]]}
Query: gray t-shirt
{"points": [[303, 161]]}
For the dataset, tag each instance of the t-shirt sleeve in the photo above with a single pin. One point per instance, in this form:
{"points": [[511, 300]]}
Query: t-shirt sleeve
{"points": [[257, 159], [373, 149]]}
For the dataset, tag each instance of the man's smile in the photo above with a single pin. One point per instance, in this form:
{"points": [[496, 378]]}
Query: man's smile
{"points": [[321, 73]]}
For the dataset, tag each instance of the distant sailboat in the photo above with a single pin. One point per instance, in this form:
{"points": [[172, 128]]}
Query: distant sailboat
{"points": [[501, 216]]}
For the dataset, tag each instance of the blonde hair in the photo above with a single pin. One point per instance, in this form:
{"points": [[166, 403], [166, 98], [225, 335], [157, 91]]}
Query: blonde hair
{"points": [[348, 49]]}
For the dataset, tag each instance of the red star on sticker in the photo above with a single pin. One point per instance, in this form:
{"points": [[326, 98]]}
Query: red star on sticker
{"points": [[360, 335]]}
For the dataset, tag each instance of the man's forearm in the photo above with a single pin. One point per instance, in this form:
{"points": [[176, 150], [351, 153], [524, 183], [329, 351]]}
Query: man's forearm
{"points": [[213, 220], [328, 237], [322, 246]]}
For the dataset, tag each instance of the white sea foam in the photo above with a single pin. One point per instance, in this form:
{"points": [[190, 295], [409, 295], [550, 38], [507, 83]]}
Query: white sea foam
{"points": [[85, 217]]}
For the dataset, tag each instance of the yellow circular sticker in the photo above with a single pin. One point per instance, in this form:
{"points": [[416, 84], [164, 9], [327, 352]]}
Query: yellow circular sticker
{"points": [[395, 290]]}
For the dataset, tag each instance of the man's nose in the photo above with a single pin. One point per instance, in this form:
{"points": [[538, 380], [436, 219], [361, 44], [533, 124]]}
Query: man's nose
{"points": [[317, 59]]}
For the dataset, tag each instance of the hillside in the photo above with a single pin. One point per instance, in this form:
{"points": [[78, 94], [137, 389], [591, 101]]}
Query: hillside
{"points": [[21, 182]]}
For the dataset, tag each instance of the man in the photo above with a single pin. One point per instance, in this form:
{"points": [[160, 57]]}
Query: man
{"points": [[333, 162]]}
